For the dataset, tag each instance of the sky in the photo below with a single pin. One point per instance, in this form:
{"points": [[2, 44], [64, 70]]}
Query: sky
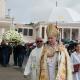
{"points": [[26, 11]]}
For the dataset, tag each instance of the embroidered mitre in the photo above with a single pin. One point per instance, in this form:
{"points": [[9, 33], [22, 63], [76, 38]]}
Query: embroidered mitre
{"points": [[52, 30]]}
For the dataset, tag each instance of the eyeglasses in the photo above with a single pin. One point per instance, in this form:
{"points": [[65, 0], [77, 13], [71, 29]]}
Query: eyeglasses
{"points": [[38, 41]]}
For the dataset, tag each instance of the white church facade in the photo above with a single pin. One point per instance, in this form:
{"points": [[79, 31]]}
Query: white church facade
{"points": [[5, 20], [68, 30], [2, 9]]}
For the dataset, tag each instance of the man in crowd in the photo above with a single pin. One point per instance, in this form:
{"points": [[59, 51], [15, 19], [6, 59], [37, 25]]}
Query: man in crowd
{"points": [[34, 58], [4, 53], [55, 61], [21, 51]]}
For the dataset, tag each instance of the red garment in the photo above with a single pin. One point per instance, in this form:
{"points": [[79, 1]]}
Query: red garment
{"points": [[76, 67]]}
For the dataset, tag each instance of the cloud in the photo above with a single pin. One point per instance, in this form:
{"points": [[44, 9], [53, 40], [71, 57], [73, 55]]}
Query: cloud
{"points": [[30, 10], [77, 8]]}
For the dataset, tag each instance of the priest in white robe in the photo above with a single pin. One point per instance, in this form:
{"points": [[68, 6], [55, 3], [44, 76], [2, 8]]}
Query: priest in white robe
{"points": [[32, 66]]}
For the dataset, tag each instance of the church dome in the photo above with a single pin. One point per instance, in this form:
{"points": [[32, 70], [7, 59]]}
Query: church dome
{"points": [[61, 14]]}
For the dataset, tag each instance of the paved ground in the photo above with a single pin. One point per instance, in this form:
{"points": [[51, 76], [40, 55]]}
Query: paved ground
{"points": [[11, 73]]}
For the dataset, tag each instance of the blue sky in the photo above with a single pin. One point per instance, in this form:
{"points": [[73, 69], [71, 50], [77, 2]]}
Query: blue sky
{"points": [[26, 11]]}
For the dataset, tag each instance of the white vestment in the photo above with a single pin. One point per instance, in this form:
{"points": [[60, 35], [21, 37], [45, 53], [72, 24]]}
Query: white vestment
{"points": [[75, 57], [33, 63], [52, 62]]}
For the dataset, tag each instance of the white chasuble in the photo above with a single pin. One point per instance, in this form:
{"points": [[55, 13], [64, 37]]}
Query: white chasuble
{"points": [[52, 62], [32, 66]]}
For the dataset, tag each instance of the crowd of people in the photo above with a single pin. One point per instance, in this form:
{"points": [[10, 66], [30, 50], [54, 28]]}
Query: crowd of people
{"points": [[45, 61], [17, 50]]}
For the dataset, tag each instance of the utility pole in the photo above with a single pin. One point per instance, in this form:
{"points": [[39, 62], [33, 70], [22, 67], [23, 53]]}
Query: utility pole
{"points": [[56, 8], [9, 12], [12, 22], [12, 19], [56, 3]]}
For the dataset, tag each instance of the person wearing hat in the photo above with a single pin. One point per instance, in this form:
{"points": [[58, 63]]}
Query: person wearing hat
{"points": [[54, 62]]}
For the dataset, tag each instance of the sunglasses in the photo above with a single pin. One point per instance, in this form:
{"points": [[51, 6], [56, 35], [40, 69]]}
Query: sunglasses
{"points": [[38, 41]]}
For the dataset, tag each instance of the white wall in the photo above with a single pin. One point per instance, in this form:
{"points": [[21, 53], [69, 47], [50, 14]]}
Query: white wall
{"points": [[2, 8]]}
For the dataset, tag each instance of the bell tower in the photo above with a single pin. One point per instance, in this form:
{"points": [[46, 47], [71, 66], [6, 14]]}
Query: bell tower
{"points": [[2, 8]]}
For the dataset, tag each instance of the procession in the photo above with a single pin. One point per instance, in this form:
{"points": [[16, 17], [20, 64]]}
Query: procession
{"points": [[45, 61], [44, 44]]}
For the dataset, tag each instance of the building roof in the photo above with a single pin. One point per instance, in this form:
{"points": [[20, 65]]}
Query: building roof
{"points": [[61, 14]]}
